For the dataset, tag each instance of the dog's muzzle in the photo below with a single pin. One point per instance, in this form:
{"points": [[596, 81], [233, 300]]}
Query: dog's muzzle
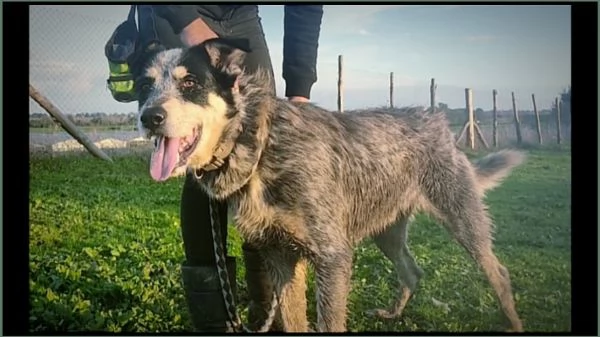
{"points": [[153, 117]]}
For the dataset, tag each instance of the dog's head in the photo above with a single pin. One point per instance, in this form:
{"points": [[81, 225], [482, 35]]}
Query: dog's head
{"points": [[187, 100]]}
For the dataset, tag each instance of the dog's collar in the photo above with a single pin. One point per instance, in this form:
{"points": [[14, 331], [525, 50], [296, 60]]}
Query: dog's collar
{"points": [[221, 153]]}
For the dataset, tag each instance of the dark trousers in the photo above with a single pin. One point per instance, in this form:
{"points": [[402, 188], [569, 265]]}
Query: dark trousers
{"points": [[241, 22], [204, 298]]}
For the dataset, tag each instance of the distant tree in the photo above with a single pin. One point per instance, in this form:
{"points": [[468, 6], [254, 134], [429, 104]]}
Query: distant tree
{"points": [[565, 96], [96, 120], [565, 105], [565, 102], [443, 106], [132, 119]]}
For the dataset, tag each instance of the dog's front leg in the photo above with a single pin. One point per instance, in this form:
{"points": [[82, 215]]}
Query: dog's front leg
{"points": [[293, 301], [333, 285], [288, 276]]}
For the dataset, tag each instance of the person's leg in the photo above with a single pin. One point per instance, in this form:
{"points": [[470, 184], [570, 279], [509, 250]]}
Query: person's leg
{"points": [[202, 288], [244, 22], [199, 273], [240, 23]]}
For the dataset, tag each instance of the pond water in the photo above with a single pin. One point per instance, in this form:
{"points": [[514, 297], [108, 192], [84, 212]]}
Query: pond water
{"points": [[42, 138]]}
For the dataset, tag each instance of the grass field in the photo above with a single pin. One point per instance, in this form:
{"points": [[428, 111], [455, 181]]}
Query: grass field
{"points": [[105, 250]]}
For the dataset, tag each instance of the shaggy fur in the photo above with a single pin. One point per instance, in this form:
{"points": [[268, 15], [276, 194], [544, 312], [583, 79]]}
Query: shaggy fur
{"points": [[309, 184]]}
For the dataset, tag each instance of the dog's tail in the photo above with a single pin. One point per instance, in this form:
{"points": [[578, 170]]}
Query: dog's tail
{"points": [[493, 168]]}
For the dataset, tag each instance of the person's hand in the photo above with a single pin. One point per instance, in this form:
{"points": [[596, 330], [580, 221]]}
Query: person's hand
{"points": [[298, 99], [196, 33]]}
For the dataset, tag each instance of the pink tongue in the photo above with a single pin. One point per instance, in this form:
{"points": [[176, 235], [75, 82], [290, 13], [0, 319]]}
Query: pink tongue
{"points": [[164, 158]]}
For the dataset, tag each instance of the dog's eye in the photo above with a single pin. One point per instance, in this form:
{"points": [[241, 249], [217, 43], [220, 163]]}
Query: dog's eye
{"points": [[188, 83]]}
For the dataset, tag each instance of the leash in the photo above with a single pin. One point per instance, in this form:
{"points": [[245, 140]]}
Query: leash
{"points": [[234, 323]]}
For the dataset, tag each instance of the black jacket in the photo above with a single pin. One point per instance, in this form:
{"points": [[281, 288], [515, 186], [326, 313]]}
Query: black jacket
{"points": [[302, 25]]}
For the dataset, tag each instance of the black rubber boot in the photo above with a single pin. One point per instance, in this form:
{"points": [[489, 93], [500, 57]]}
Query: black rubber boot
{"points": [[260, 290], [204, 296]]}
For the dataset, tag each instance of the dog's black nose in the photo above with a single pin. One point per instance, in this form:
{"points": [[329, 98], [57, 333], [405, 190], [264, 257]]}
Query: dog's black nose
{"points": [[153, 117]]}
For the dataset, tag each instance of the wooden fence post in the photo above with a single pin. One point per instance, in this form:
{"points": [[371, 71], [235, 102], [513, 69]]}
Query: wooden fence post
{"points": [[470, 124], [432, 89], [340, 99], [537, 119], [495, 116], [67, 124], [558, 104], [469, 106], [516, 116], [392, 89]]}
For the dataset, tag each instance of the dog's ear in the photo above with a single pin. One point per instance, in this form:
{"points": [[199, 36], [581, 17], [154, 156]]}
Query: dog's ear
{"points": [[227, 55]]}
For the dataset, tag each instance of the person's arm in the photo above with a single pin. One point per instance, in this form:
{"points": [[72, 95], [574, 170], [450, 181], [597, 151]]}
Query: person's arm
{"points": [[185, 21], [302, 25]]}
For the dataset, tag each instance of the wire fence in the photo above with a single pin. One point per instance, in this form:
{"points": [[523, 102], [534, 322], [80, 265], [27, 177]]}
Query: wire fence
{"points": [[67, 65]]}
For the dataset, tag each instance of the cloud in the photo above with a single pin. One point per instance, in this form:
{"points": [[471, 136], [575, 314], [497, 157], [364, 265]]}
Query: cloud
{"points": [[357, 77], [52, 67], [74, 87], [480, 38], [351, 19], [356, 19], [70, 77], [413, 56]]}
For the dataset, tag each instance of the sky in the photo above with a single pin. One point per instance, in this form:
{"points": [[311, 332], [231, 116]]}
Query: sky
{"points": [[525, 49]]}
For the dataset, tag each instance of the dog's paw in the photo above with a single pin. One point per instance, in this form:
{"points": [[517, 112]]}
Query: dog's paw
{"points": [[515, 330], [382, 313]]}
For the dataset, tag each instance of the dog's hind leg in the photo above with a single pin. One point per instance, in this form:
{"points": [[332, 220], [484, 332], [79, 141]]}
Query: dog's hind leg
{"points": [[393, 244], [466, 218]]}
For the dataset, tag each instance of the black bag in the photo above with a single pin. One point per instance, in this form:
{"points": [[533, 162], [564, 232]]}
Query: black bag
{"points": [[120, 50], [125, 51]]}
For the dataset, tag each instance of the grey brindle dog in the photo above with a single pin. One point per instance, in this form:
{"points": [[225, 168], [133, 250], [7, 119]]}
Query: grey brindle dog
{"points": [[307, 185]]}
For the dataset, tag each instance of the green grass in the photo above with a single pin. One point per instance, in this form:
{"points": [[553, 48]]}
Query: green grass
{"points": [[105, 251]]}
